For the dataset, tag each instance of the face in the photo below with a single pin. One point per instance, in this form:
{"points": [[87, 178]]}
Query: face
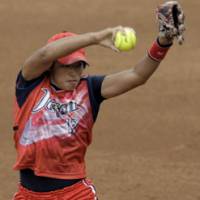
{"points": [[67, 77]]}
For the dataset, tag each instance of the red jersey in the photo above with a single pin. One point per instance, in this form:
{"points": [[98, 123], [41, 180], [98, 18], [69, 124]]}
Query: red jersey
{"points": [[54, 128]]}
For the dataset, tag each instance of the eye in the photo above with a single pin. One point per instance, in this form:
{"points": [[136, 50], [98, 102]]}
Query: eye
{"points": [[80, 65], [83, 65], [77, 65]]}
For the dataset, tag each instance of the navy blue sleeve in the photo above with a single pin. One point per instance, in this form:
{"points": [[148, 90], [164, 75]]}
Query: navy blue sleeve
{"points": [[94, 86], [24, 87]]}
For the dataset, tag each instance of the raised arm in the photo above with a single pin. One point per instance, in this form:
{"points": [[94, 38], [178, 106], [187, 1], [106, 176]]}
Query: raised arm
{"points": [[119, 83], [171, 25], [42, 59]]}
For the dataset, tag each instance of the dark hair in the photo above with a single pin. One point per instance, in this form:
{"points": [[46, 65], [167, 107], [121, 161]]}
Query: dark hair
{"points": [[52, 65]]}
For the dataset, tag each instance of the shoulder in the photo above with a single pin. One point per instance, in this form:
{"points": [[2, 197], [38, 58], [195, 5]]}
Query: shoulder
{"points": [[94, 80], [22, 83], [24, 88], [94, 88]]}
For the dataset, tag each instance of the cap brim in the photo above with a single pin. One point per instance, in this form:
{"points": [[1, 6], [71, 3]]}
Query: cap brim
{"points": [[71, 61], [72, 58]]}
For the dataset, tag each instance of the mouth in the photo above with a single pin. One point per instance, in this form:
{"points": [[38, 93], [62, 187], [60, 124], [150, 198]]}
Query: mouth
{"points": [[72, 81]]}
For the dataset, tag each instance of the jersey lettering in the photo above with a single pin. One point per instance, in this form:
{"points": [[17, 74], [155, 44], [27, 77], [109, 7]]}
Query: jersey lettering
{"points": [[60, 118], [43, 100]]}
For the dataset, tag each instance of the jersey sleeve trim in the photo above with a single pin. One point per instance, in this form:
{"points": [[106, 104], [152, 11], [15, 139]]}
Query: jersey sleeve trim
{"points": [[94, 87], [24, 87]]}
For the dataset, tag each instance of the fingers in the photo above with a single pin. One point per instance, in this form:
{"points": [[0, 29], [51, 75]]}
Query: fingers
{"points": [[115, 30], [180, 39], [181, 17], [124, 32], [181, 28], [114, 48], [181, 25], [171, 3], [110, 41]]}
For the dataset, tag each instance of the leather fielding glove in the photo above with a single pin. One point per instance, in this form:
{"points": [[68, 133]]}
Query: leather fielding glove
{"points": [[171, 20]]}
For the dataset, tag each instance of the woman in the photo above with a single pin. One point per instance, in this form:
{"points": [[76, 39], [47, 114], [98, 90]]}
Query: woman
{"points": [[56, 107]]}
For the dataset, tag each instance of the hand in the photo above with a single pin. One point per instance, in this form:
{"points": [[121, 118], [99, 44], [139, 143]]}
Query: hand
{"points": [[105, 37], [171, 22]]}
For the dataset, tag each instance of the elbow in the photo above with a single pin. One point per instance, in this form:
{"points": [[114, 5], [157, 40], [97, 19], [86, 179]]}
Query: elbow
{"points": [[140, 79], [44, 55]]}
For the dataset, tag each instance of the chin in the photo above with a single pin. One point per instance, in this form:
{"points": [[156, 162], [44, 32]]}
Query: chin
{"points": [[70, 87]]}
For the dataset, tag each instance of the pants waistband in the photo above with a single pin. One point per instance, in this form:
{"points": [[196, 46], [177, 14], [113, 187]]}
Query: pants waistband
{"points": [[43, 184]]}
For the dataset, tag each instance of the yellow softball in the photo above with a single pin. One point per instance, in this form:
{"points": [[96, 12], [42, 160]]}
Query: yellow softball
{"points": [[125, 40]]}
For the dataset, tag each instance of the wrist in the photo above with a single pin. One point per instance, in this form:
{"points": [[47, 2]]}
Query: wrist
{"points": [[157, 51], [93, 38], [164, 42], [101, 35]]}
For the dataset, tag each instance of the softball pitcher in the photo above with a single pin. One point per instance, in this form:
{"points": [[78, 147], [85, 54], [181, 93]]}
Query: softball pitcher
{"points": [[56, 107]]}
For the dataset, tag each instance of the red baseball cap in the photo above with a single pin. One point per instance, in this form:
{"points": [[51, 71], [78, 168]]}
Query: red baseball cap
{"points": [[78, 55]]}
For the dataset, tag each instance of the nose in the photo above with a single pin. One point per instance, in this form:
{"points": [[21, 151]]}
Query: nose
{"points": [[74, 71]]}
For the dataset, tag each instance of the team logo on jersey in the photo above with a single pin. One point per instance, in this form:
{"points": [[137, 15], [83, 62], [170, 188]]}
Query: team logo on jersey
{"points": [[53, 105], [51, 117]]}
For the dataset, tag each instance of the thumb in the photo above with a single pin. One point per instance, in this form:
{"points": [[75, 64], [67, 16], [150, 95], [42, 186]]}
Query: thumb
{"points": [[115, 48]]}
